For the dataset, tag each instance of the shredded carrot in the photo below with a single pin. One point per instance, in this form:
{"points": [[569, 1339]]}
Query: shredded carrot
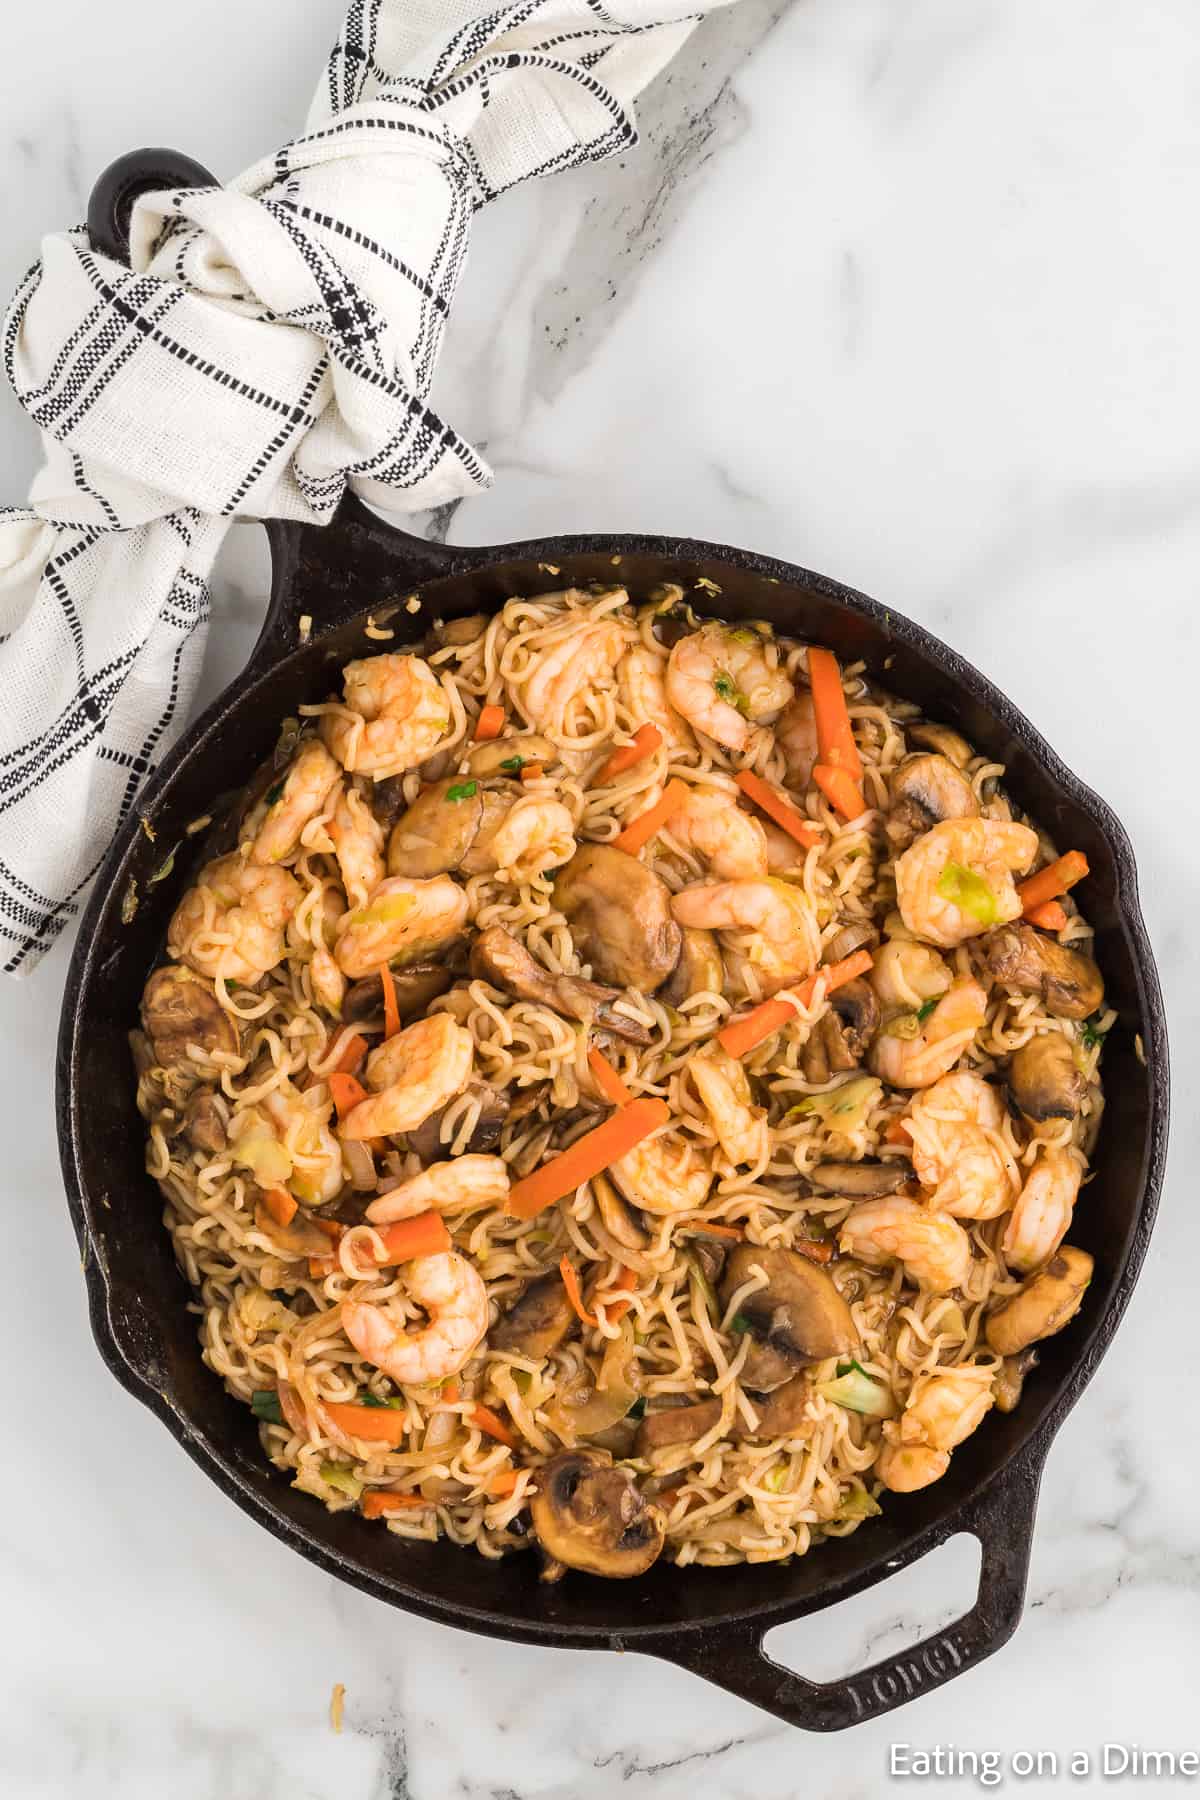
{"points": [[814, 1250], [424, 1235], [320, 1266], [352, 1055], [375, 1424], [607, 1079], [489, 724], [705, 1227], [835, 734], [841, 790], [646, 740], [1053, 880], [501, 1485], [391, 1011], [383, 1500], [449, 1393], [485, 1420], [614, 1309], [280, 1205], [532, 771], [347, 1091], [589, 1155], [647, 823], [743, 1034], [781, 811], [332, 1229], [1050, 916], [896, 1132], [566, 1269]]}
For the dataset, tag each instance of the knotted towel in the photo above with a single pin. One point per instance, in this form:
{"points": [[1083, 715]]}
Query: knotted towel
{"points": [[270, 342]]}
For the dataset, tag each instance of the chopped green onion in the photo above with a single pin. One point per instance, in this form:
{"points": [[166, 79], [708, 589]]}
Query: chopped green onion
{"points": [[969, 892], [512, 765], [923, 1012], [739, 1324], [775, 1478], [728, 690], [165, 866], [396, 1401], [273, 793], [463, 790], [857, 1392], [336, 1475], [264, 1404], [1092, 1037]]}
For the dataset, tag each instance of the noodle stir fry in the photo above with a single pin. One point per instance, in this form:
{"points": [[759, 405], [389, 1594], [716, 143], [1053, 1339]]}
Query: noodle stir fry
{"points": [[622, 1083]]}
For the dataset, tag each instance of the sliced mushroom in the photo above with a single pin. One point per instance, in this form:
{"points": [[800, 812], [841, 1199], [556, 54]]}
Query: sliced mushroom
{"points": [[427, 1139], [1043, 1304], [784, 1413], [298, 1238], [500, 958], [489, 759], [926, 789], [675, 1425], [180, 1008], [204, 1120], [416, 987], [863, 1180], [699, 970], [1010, 1379], [798, 1318], [590, 1515], [436, 832], [454, 633], [1043, 1079], [620, 1219], [841, 1036], [1021, 957], [858, 935], [778, 1416], [710, 1253], [388, 801], [941, 738], [619, 912], [538, 1321]]}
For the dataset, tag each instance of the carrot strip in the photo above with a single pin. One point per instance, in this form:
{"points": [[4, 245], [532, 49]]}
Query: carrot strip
{"points": [[566, 1269], [896, 1132], [332, 1229], [320, 1266], [352, 1055], [1054, 879], [424, 1235], [615, 1309], [485, 1420], [647, 823], [449, 1393], [588, 1156], [840, 789], [532, 771], [489, 724], [781, 811], [374, 1424], [347, 1091], [280, 1205], [1049, 915], [391, 1011], [835, 734], [813, 1250], [646, 740], [743, 1034], [501, 1485], [607, 1079], [380, 1501], [705, 1227]]}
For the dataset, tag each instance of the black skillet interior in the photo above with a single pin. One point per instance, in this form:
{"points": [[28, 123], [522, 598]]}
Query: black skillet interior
{"points": [[710, 1620]]}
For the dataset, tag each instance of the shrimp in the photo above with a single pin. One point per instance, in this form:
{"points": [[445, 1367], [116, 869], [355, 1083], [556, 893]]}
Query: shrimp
{"points": [[712, 825], [724, 1088], [232, 922], [303, 1130], [934, 1248], [357, 839], [328, 982], [946, 1405], [404, 919], [957, 879], [411, 1075], [464, 1184], [785, 942], [399, 711], [452, 1293], [299, 797], [721, 681], [796, 735], [1042, 1215], [663, 1175], [643, 689], [533, 835], [784, 855], [959, 1150], [903, 1468], [585, 658], [912, 1053], [908, 974]]}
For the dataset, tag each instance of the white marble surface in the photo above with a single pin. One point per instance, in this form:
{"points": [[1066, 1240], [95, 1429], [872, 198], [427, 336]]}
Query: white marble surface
{"points": [[902, 289]]}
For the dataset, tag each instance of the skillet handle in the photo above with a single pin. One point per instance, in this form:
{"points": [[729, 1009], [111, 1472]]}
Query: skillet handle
{"points": [[1001, 1518]]}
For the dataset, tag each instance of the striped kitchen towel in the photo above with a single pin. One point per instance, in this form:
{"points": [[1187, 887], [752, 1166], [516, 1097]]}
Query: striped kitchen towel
{"points": [[271, 342]]}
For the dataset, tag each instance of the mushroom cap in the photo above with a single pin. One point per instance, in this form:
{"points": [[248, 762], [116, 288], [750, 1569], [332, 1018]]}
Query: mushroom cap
{"points": [[435, 834], [1021, 957], [1044, 1081], [928, 788], [180, 1008], [799, 1317], [538, 1321], [700, 968], [620, 917], [864, 1180], [621, 1221], [592, 1516], [494, 1109], [497, 956], [1043, 1304], [415, 987], [488, 759]]}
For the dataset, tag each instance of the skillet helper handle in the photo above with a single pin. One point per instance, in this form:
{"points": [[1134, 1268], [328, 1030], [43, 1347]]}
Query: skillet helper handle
{"points": [[110, 207], [733, 1657]]}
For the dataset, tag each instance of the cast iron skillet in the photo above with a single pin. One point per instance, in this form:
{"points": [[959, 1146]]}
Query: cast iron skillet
{"points": [[710, 1621]]}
